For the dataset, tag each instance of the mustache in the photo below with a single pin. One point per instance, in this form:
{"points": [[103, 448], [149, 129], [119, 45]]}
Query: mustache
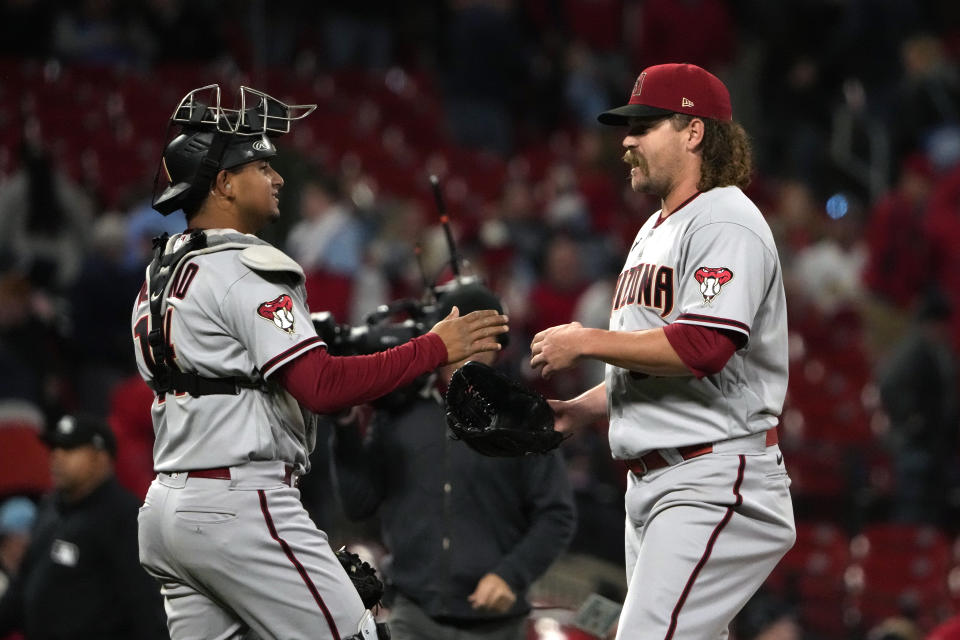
{"points": [[634, 160]]}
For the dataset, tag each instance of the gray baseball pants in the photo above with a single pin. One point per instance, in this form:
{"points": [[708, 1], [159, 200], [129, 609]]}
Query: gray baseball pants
{"points": [[240, 558], [701, 537]]}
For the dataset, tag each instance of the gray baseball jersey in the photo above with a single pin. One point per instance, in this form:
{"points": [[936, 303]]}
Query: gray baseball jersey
{"points": [[222, 528], [713, 262], [236, 308], [703, 533]]}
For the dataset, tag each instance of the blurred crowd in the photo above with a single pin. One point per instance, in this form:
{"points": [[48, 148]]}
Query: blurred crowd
{"points": [[853, 109]]}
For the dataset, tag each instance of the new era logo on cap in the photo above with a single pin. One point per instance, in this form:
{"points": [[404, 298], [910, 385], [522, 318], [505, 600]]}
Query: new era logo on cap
{"points": [[673, 88]]}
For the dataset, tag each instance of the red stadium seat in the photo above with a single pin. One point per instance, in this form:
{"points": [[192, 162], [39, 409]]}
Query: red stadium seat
{"points": [[812, 574], [901, 539], [818, 482], [899, 569], [24, 460], [821, 551]]}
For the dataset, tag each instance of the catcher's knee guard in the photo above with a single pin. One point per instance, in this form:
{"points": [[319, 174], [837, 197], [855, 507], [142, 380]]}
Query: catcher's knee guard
{"points": [[370, 629]]}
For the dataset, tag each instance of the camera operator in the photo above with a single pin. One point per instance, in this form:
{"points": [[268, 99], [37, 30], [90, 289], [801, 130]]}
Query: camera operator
{"points": [[467, 533]]}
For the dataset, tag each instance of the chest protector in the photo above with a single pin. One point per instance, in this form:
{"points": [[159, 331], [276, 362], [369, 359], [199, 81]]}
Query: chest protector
{"points": [[167, 375]]}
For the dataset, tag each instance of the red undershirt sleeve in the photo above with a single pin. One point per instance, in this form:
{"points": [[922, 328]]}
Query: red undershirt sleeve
{"points": [[704, 350], [326, 384]]}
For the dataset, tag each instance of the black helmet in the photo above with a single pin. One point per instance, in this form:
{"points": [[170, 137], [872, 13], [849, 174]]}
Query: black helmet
{"points": [[212, 138], [468, 294]]}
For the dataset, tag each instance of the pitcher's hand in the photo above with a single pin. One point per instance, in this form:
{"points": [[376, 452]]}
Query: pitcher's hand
{"points": [[556, 348]]}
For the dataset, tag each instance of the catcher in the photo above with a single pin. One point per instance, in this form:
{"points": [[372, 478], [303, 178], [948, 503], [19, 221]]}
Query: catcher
{"points": [[467, 533], [222, 335]]}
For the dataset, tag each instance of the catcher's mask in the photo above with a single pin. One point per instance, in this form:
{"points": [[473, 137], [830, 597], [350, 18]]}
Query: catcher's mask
{"points": [[212, 138]]}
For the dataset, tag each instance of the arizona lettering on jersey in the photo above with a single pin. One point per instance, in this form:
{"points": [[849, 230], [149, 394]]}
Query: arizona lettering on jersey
{"points": [[647, 285], [713, 263]]}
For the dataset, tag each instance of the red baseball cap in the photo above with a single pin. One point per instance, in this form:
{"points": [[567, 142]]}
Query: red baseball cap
{"points": [[673, 88]]}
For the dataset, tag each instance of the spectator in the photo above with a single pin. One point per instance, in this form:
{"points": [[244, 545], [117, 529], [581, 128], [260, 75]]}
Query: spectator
{"points": [[30, 343], [796, 77], [524, 226], [899, 256], [829, 271], [698, 31], [358, 34], [584, 88], [554, 298], [131, 422], [918, 388], [329, 237], [143, 225], [467, 534], [483, 67], [81, 577], [942, 225], [928, 95], [99, 322], [44, 220], [100, 32], [328, 243], [565, 208]]}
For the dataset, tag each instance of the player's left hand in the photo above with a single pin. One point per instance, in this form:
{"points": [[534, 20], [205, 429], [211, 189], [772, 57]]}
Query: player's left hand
{"points": [[492, 593], [555, 349]]}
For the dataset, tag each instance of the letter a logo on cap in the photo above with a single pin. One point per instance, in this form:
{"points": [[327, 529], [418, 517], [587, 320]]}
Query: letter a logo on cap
{"points": [[638, 85]]}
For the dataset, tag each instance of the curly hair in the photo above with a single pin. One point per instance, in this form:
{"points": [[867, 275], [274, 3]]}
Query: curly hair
{"points": [[726, 152]]}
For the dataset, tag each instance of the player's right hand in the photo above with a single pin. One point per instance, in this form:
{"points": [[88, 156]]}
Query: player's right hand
{"points": [[470, 334]]}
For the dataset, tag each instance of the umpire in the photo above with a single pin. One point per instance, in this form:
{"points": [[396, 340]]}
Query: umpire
{"points": [[81, 576], [467, 534]]}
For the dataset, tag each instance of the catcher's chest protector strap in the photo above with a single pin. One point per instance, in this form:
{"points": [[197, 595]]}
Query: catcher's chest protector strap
{"points": [[167, 376]]}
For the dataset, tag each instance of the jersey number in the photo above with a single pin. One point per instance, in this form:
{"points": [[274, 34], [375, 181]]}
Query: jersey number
{"points": [[141, 332], [183, 282]]}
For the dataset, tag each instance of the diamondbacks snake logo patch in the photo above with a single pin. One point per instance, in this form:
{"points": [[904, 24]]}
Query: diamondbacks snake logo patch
{"points": [[279, 311], [711, 280]]}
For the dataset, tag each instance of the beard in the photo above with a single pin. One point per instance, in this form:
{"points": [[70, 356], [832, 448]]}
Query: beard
{"points": [[640, 180]]}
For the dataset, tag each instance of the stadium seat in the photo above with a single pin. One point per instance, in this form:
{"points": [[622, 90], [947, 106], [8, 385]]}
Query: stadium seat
{"points": [[899, 569], [24, 460], [812, 574], [892, 540]]}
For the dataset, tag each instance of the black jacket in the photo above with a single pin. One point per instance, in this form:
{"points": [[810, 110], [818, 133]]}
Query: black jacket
{"points": [[81, 576], [450, 515]]}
